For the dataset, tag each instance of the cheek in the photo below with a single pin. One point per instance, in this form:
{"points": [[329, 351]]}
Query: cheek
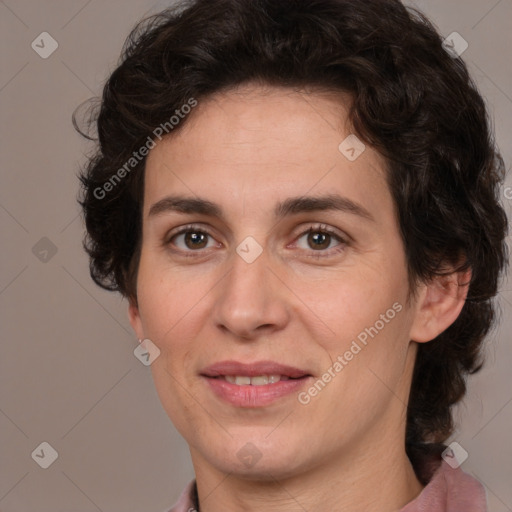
{"points": [[173, 309], [166, 297], [361, 318], [171, 322], [346, 302]]}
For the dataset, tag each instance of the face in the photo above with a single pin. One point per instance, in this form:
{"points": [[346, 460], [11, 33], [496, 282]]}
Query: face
{"points": [[269, 250]]}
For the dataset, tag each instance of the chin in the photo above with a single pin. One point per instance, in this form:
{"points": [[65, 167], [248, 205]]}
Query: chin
{"points": [[251, 461], [262, 471]]}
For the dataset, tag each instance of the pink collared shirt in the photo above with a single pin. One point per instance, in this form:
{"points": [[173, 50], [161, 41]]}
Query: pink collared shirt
{"points": [[448, 490]]}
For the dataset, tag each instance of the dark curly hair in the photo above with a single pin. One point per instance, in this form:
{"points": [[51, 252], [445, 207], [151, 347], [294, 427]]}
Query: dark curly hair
{"points": [[412, 100]]}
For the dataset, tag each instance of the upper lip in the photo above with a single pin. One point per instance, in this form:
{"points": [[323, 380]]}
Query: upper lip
{"points": [[252, 369]]}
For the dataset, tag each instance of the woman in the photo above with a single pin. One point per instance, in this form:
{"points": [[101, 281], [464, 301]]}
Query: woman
{"points": [[299, 201]]}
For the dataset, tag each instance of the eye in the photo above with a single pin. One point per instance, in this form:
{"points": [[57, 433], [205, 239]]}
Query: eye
{"points": [[190, 238], [321, 239]]}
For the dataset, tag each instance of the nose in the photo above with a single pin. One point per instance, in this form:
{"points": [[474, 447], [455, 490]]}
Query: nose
{"points": [[251, 299]]}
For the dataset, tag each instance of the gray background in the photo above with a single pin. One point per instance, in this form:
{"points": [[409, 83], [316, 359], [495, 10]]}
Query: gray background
{"points": [[68, 375]]}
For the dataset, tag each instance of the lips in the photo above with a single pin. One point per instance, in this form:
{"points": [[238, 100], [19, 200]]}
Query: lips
{"points": [[254, 385], [235, 368]]}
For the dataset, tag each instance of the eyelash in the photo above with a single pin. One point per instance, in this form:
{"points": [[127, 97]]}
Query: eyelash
{"points": [[321, 228], [318, 228]]}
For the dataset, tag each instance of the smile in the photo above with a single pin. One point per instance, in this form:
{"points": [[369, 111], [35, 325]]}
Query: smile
{"points": [[259, 380]]}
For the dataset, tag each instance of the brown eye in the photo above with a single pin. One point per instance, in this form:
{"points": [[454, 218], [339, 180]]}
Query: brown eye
{"points": [[318, 240], [189, 240], [195, 240]]}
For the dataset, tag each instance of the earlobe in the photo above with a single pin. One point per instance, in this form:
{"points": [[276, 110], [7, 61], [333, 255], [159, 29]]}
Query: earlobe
{"points": [[439, 304], [135, 320]]}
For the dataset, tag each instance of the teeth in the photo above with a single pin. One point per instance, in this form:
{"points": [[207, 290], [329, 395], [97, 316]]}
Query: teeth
{"points": [[242, 381], [259, 380]]}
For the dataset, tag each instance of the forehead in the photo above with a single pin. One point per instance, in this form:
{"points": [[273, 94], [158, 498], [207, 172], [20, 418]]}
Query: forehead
{"points": [[258, 144], [273, 119]]}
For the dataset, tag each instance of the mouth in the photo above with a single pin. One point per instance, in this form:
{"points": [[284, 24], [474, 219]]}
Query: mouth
{"points": [[258, 380], [257, 374], [255, 384]]}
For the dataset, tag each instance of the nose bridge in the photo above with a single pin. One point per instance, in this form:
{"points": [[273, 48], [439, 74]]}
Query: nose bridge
{"points": [[247, 298]]}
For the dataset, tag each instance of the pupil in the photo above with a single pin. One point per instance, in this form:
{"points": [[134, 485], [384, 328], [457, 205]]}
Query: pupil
{"points": [[319, 240], [195, 238]]}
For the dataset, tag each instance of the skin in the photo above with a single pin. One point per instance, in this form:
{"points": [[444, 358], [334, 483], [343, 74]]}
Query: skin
{"points": [[246, 150]]}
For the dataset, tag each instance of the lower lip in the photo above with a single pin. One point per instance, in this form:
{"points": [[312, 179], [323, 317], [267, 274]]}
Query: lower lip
{"points": [[254, 396]]}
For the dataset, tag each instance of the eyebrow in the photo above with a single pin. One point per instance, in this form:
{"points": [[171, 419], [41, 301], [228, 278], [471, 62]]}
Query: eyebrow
{"points": [[291, 206]]}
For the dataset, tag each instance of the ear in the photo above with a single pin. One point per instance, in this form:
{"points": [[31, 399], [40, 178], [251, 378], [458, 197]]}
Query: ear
{"points": [[135, 320], [439, 303]]}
